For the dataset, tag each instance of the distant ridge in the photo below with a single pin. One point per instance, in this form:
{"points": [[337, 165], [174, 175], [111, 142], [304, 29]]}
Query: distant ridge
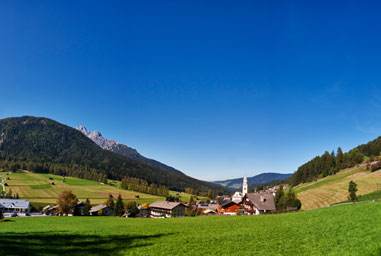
{"points": [[262, 178], [39, 144], [121, 149]]}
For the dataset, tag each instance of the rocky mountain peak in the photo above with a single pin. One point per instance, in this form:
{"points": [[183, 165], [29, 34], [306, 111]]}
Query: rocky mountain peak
{"points": [[82, 129], [98, 138]]}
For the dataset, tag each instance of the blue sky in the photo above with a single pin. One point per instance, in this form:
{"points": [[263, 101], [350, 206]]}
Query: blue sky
{"points": [[217, 89]]}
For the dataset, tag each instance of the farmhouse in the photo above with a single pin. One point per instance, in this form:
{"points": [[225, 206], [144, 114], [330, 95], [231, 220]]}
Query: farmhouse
{"points": [[14, 205], [101, 210], [227, 207], [258, 203], [165, 209]]}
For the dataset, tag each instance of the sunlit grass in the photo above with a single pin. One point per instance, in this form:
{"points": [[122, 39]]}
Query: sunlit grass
{"points": [[341, 230]]}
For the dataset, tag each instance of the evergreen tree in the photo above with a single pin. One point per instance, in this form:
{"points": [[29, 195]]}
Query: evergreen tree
{"points": [[110, 201], [352, 189], [339, 159], [278, 198], [131, 208], [119, 206], [86, 209]]}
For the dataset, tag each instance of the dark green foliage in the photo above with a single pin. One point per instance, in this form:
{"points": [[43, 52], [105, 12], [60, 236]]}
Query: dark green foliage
{"points": [[119, 206], [86, 209], [278, 198], [323, 165], [46, 146], [211, 195], [327, 164], [131, 208], [284, 200], [173, 198], [110, 202], [352, 189], [1, 215], [142, 186]]}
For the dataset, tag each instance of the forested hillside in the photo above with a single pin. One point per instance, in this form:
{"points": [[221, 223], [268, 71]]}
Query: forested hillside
{"points": [[331, 163], [44, 145]]}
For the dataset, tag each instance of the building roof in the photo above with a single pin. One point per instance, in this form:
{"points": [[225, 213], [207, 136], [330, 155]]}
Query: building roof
{"points": [[165, 205], [209, 211], [14, 203], [262, 201], [226, 203], [98, 207]]}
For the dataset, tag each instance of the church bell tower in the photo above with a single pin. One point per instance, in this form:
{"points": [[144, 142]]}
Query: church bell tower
{"points": [[244, 187]]}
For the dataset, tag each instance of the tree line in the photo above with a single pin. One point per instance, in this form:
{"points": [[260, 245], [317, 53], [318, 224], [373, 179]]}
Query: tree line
{"points": [[330, 163], [143, 186]]}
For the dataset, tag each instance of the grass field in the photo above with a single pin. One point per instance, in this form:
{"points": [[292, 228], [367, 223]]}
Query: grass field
{"points": [[340, 230], [38, 189], [334, 189]]}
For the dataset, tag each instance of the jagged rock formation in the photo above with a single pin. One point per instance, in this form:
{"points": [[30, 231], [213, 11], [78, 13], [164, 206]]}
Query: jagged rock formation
{"points": [[122, 149]]}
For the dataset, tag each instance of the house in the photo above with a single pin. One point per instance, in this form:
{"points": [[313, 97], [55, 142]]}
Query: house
{"points": [[258, 203], [210, 212], [14, 205], [165, 209], [78, 209], [101, 210], [227, 207], [50, 209], [144, 212]]}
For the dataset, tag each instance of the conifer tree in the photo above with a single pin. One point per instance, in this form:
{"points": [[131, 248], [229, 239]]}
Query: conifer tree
{"points": [[278, 198], [119, 206], [110, 201], [86, 209], [352, 189]]}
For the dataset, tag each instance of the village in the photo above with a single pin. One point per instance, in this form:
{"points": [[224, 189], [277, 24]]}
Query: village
{"points": [[240, 203]]}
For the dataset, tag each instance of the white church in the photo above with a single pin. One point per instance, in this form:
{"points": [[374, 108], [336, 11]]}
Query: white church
{"points": [[238, 196]]}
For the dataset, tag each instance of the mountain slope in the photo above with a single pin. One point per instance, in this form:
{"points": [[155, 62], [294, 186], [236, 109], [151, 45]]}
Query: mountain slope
{"points": [[56, 146], [334, 188], [330, 163], [257, 179], [121, 149]]}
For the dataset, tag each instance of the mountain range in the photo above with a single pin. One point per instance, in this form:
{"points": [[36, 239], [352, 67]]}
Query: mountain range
{"points": [[235, 184], [121, 149], [43, 145]]}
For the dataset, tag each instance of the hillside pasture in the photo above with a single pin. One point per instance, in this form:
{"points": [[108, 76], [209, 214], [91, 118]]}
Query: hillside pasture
{"points": [[38, 188], [334, 189], [341, 230]]}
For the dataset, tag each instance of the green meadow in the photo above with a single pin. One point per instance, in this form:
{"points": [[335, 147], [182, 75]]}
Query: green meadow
{"points": [[353, 229], [38, 189]]}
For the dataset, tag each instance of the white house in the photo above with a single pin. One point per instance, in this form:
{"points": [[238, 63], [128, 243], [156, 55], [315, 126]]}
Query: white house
{"points": [[165, 209], [14, 205]]}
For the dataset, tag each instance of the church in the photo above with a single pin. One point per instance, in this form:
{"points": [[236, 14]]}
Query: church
{"points": [[247, 203], [238, 196]]}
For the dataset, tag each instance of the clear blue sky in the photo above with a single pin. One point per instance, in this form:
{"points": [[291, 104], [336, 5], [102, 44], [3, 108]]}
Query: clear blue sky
{"points": [[216, 89]]}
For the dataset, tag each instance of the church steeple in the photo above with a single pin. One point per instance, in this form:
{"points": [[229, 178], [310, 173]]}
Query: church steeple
{"points": [[244, 186]]}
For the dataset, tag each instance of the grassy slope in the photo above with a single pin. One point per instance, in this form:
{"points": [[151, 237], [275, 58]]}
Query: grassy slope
{"points": [[340, 230], [334, 189], [38, 189]]}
